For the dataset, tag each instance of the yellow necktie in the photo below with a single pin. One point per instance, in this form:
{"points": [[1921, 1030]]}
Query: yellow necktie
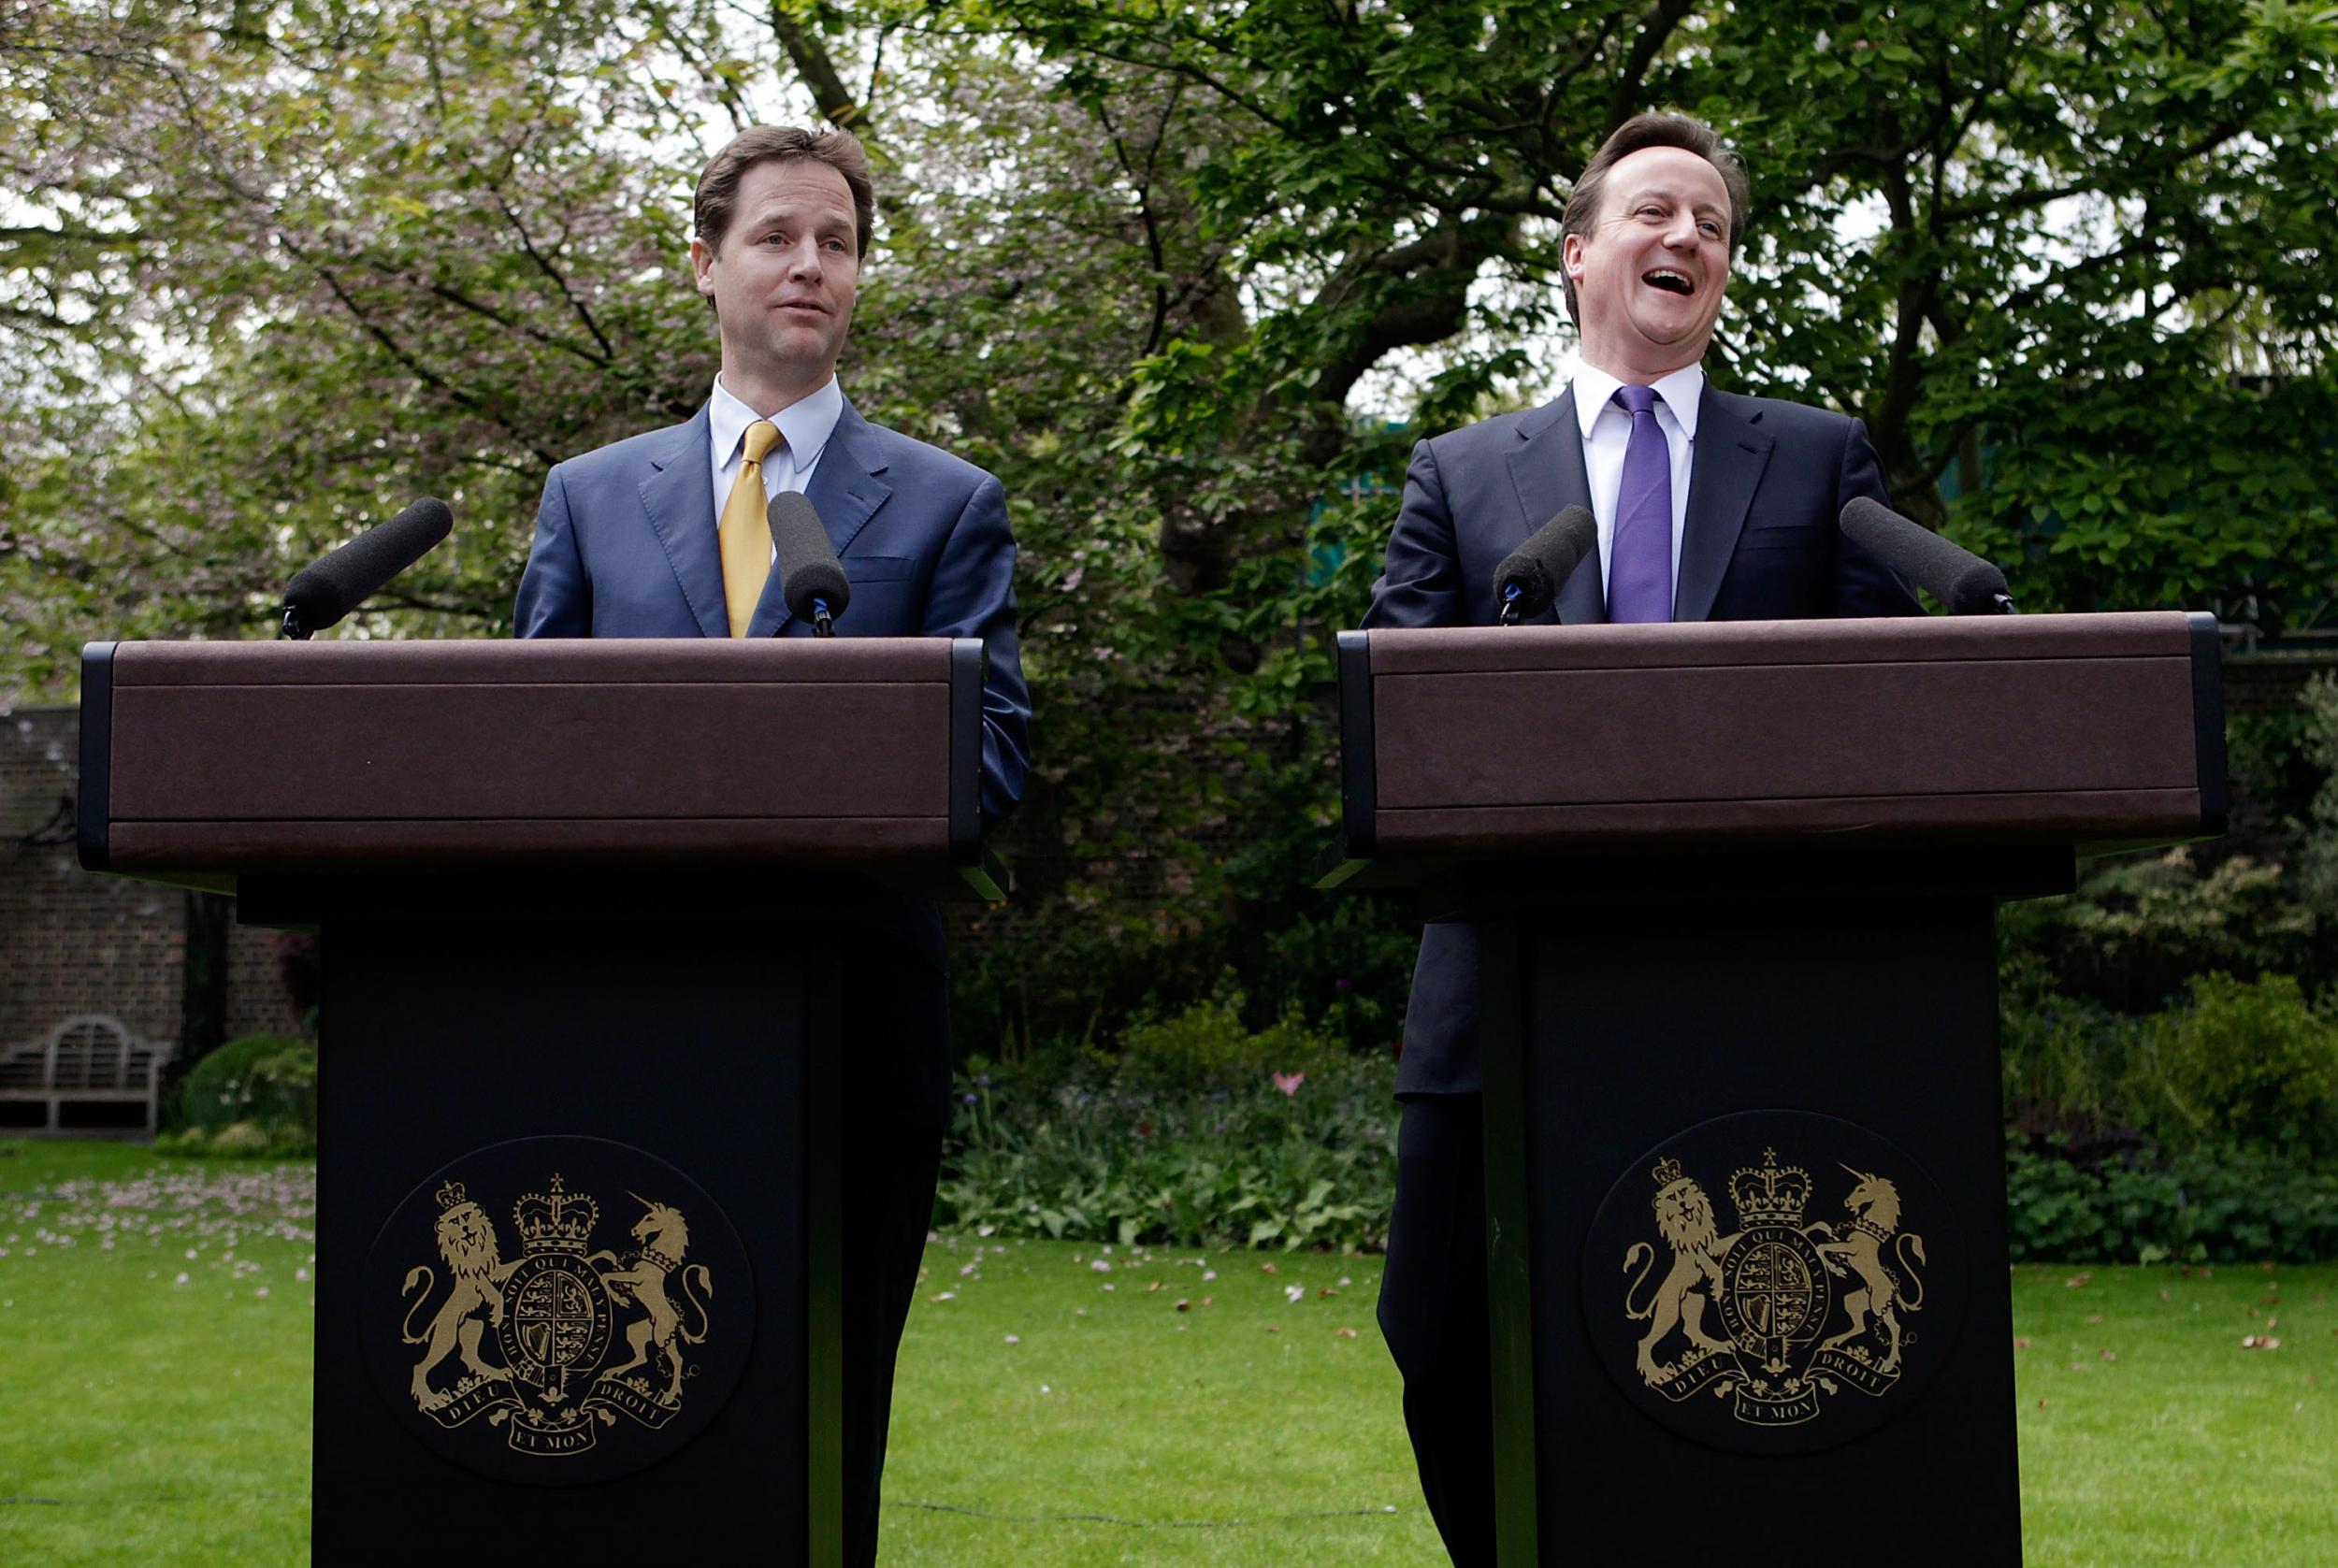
{"points": [[747, 536]]}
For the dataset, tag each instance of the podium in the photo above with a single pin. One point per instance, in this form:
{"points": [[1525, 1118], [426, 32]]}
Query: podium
{"points": [[583, 909], [1735, 889]]}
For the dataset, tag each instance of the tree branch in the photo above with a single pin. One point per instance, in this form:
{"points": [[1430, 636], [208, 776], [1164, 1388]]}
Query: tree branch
{"points": [[1655, 30], [813, 63]]}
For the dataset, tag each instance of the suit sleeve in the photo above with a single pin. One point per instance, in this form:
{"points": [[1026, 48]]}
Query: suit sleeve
{"points": [[556, 597], [972, 594], [1861, 584], [1420, 581]]}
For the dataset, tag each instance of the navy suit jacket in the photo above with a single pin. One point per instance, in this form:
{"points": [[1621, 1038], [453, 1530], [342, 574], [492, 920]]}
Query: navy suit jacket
{"points": [[1768, 481], [626, 546]]}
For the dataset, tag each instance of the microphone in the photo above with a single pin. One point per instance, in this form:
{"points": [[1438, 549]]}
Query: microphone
{"points": [[1956, 577], [810, 579], [1531, 576], [322, 594]]}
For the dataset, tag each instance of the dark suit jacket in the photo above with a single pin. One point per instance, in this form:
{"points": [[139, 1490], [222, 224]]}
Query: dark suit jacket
{"points": [[626, 547], [1766, 483]]}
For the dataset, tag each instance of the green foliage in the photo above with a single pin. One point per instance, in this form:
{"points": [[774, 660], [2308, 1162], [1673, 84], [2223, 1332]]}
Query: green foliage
{"points": [[2247, 1061], [2139, 927], [2317, 863], [1208, 1048], [256, 1096], [1201, 1132], [2218, 1204], [2234, 1062], [2066, 1060]]}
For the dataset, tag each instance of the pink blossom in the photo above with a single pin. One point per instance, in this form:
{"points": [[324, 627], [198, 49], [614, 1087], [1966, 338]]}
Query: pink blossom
{"points": [[1288, 1081]]}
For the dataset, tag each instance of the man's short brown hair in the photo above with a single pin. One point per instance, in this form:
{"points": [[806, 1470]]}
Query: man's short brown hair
{"points": [[719, 187], [1637, 134]]}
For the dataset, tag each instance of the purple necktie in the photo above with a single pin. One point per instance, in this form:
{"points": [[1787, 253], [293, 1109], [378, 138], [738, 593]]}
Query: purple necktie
{"points": [[1639, 561]]}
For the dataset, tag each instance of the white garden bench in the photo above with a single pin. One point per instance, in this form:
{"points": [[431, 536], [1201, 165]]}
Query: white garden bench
{"points": [[87, 1062]]}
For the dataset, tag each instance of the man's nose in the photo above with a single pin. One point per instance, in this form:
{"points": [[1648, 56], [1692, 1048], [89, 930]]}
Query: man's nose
{"points": [[804, 262]]}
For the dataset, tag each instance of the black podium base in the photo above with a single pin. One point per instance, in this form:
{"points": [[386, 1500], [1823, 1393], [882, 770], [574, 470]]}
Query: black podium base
{"points": [[576, 1233], [1745, 1192]]}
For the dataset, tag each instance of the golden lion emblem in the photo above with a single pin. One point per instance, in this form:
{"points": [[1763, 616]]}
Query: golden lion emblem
{"points": [[1684, 1218], [467, 1244]]}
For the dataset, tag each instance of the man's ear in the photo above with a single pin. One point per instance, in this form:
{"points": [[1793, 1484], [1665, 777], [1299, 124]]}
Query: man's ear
{"points": [[703, 266], [1570, 255]]}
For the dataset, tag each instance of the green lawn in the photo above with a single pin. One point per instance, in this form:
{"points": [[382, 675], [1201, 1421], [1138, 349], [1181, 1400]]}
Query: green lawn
{"points": [[1052, 1412]]}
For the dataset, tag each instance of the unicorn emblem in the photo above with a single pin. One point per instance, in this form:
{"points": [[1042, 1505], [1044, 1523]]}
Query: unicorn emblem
{"points": [[1874, 1206], [664, 1237]]}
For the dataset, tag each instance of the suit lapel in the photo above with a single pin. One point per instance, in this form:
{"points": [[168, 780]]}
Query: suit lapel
{"points": [[846, 491], [678, 494], [1546, 472], [1725, 468]]}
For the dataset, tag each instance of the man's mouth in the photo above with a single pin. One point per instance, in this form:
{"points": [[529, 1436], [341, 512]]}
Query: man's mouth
{"points": [[1670, 280]]}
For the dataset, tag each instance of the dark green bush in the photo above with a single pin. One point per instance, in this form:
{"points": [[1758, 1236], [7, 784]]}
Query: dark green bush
{"points": [[2066, 1060], [2246, 1061], [2140, 927], [1208, 1048], [253, 1096], [2317, 858], [2219, 1204], [1200, 1132]]}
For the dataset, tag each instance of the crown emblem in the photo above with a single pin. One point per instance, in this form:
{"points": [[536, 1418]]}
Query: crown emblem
{"points": [[1665, 1172], [452, 1195], [1771, 1195], [560, 1222]]}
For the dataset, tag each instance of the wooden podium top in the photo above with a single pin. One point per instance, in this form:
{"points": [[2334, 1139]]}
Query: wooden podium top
{"points": [[203, 762], [2096, 732]]}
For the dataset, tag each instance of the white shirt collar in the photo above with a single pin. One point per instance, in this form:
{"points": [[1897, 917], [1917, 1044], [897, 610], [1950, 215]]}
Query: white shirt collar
{"points": [[805, 423], [1681, 392]]}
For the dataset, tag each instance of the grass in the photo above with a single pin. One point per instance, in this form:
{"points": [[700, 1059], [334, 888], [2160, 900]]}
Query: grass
{"points": [[1045, 1419]]}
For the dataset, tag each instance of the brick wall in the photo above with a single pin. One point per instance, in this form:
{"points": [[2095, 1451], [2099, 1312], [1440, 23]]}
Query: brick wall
{"points": [[73, 942], [2268, 683]]}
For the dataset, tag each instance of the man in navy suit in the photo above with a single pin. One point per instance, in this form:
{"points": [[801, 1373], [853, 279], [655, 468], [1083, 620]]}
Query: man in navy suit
{"points": [[664, 536], [1710, 506]]}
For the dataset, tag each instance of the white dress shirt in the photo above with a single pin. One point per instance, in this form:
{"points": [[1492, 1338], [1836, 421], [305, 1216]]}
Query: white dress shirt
{"points": [[804, 426], [1607, 429]]}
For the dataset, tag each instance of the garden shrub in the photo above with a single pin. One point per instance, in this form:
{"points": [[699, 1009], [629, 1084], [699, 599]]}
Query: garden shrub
{"points": [[2318, 860], [257, 1095], [2217, 1203], [1200, 1132], [2064, 1059], [2246, 1061], [1207, 1048], [2139, 928]]}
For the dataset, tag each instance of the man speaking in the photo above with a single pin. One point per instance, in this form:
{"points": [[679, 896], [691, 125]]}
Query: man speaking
{"points": [[1710, 506], [665, 534]]}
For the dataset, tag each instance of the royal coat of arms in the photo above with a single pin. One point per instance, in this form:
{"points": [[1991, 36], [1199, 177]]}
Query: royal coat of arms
{"points": [[530, 1337], [1779, 1314]]}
